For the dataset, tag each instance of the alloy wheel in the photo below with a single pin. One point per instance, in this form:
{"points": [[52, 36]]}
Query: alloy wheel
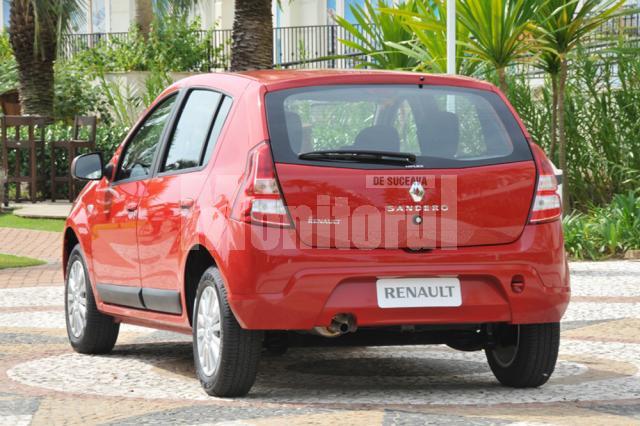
{"points": [[209, 331], [77, 299]]}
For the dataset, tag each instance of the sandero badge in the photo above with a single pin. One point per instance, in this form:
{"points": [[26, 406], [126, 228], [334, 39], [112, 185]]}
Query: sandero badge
{"points": [[212, 219]]}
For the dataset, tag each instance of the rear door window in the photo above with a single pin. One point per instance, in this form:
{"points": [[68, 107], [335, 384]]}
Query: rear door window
{"points": [[188, 142], [445, 127]]}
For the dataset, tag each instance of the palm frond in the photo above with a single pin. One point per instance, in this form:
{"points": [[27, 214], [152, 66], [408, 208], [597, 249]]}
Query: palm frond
{"points": [[375, 35]]}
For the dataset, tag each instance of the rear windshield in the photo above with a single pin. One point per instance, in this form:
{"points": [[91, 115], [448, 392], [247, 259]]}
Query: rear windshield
{"points": [[443, 126]]}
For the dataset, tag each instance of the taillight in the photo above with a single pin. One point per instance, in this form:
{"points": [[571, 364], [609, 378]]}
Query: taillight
{"points": [[259, 200], [546, 203]]}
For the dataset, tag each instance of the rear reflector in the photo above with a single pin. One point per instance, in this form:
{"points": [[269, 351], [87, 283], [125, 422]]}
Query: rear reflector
{"points": [[546, 203], [259, 200]]}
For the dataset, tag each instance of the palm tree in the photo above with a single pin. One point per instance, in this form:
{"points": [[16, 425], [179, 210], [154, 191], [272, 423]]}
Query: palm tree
{"points": [[563, 25], [143, 16], [379, 36], [427, 22], [145, 11], [252, 37], [499, 31], [549, 62], [34, 30]]}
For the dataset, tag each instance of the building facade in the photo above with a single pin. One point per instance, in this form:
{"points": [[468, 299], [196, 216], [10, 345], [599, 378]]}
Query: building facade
{"points": [[115, 16]]}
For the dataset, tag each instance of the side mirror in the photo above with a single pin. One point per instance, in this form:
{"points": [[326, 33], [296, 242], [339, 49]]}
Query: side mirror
{"points": [[87, 166]]}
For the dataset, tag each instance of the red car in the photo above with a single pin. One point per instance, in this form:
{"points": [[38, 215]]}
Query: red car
{"points": [[270, 209]]}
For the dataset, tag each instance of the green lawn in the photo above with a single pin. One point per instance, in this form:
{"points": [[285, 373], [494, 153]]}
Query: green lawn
{"points": [[10, 261], [8, 220]]}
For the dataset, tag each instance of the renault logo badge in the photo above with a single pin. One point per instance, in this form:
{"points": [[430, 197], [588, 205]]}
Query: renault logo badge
{"points": [[416, 191]]}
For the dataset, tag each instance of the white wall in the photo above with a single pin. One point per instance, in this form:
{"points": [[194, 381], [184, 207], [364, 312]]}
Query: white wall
{"points": [[205, 10], [302, 13], [219, 13], [222, 14], [121, 15]]}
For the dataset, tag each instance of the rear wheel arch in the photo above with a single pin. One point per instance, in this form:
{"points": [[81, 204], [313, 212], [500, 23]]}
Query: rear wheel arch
{"points": [[69, 242], [198, 261]]}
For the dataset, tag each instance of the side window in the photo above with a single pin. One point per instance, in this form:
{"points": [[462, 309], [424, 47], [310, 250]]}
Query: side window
{"points": [[138, 156], [190, 137]]}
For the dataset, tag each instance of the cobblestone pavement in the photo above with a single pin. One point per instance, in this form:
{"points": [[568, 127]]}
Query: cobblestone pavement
{"points": [[149, 378]]}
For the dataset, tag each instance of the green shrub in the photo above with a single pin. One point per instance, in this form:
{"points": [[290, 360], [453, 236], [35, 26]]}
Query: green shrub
{"points": [[75, 94], [8, 68], [602, 123], [375, 33], [174, 44], [108, 137], [606, 231], [73, 91], [603, 126]]}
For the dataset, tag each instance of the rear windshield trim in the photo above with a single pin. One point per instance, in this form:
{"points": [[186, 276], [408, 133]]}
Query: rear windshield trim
{"points": [[282, 152]]}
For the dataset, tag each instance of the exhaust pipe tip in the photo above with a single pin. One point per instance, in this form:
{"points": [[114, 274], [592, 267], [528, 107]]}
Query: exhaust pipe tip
{"points": [[340, 324]]}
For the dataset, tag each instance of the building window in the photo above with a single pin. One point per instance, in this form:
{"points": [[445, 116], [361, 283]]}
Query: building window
{"points": [[98, 15]]}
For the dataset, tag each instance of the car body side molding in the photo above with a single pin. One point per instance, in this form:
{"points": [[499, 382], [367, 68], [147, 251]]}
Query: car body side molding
{"points": [[149, 299], [162, 300]]}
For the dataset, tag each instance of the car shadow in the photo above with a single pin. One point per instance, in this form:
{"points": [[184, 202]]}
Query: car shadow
{"points": [[327, 370]]}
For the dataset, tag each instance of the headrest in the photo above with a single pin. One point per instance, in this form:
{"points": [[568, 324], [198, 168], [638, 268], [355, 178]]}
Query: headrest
{"points": [[294, 130], [442, 135], [378, 138]]}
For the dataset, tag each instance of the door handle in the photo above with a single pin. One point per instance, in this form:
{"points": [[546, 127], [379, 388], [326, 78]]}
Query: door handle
{"points": [[132, 207], [187, 203]]}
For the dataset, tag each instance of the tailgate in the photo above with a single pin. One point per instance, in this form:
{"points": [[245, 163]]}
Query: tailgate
{"points": [[338, 207]]}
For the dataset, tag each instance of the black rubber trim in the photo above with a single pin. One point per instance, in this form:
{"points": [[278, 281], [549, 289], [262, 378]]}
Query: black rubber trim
{"points": [[149, 299], [121, 295], [162, 300]]}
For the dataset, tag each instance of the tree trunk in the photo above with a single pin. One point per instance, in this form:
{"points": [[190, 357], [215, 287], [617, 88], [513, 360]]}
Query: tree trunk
{"points": [[502, 80], [252, 38], [553, 137], [143, 16], [35, 61], [562, 137]]}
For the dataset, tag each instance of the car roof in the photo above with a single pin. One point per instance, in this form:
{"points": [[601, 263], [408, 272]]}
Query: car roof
{"points": [[282, 79], [272, 76]]}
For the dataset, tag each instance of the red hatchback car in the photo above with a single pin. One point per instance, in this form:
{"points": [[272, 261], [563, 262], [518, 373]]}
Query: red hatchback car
{"points": [[270, 209]]}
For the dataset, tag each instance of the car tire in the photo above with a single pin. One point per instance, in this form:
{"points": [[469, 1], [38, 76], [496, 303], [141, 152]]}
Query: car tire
{"points": [[225, 355], [89, 330], [524, 356]]}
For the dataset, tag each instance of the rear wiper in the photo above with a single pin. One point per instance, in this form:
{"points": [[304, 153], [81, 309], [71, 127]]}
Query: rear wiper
{"points": [[360, 156]]}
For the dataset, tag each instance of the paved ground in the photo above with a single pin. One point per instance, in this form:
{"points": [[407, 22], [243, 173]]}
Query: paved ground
{"points": [[149, 378], [36, 244], [42, 209]]}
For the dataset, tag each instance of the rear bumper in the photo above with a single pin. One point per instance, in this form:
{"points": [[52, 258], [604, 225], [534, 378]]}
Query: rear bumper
{"points": [[276, 288]]}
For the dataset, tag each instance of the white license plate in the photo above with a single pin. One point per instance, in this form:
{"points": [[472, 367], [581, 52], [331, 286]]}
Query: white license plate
{"points": [[418, 292]]}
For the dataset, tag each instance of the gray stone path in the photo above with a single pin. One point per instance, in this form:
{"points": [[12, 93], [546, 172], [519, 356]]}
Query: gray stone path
{"points": [[149, 378]]}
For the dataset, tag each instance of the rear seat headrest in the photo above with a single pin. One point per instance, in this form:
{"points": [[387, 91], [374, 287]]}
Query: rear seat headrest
{"points": [[441, 135], [378, 138], [294, 130]]}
